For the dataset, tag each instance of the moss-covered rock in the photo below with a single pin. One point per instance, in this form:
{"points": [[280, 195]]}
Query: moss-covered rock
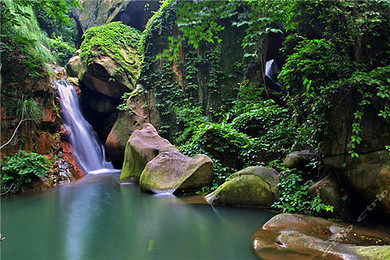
{"points": [[107, 66], [373, 252], [300, 159], [173, 172], [110, 53], [293, 236], [160, 167], [253, 186], [75, 67], [142, 146], [332, 193]]}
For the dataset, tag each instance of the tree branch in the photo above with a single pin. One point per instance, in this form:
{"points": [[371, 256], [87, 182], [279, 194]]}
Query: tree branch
{"points": [[1, 194], [13, 135]]}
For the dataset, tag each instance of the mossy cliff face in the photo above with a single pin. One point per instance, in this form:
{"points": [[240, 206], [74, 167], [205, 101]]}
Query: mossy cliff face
{"points": [[368, 174], [97, 13], [205, 76]]}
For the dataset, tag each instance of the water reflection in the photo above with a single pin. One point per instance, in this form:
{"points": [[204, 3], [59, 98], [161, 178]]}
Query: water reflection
{"points": [[80, 208]]}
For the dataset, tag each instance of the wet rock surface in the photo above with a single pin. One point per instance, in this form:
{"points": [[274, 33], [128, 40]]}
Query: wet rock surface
{"points": [[142, 146], [293, 236]]}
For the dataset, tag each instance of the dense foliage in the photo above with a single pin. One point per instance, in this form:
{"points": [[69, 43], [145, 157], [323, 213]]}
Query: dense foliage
{"points": [[218, 103], [21, 169], [24, 45], [294, 196]]}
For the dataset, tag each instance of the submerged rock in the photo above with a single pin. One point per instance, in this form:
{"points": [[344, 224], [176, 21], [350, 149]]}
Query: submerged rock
{"points": [[252, 186], [293, 236], [172, 172]]}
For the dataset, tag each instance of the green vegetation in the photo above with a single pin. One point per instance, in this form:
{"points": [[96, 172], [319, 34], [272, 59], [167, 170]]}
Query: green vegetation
{"points": [[24, 46], [62, 50], [109, 40], [25, 51], [294, 197], [21, 169], [213, 104]]}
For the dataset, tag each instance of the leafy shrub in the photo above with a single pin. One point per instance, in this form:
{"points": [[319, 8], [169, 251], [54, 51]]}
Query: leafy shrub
{"points": [[294, 197], [221, 143], [22, 168], [61, 49]]}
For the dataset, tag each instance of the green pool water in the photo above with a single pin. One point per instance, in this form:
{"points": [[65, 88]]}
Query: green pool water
{"points": [[96, 218]]}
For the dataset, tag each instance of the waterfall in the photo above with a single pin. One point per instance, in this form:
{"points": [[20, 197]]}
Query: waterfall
{"points": [[87, 150]]}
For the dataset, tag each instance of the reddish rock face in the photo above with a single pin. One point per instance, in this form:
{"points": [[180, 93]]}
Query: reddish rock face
{"points": [[48, 115], [67, 156], [292, 236], [3, 114], [43, 143]]}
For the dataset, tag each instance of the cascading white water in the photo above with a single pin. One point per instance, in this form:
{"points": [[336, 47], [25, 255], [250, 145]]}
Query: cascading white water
{"points": [[87, 150]]}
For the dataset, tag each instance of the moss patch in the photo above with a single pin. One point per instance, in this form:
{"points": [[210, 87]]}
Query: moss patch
{"points": [[116, 40]]}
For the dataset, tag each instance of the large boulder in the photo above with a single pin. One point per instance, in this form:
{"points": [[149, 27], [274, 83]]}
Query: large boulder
{"points": [[141, 110], [173, 172], [142, 146], [300, 159], [101, 77], [253, 186], [75, 67], [369, 174], [292, 236]]}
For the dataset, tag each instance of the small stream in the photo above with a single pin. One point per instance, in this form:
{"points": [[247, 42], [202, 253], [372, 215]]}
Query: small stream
{"points": [[96, 218]]}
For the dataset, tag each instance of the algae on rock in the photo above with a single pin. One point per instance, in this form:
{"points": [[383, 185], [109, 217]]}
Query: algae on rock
{"points": [[252, 186]]}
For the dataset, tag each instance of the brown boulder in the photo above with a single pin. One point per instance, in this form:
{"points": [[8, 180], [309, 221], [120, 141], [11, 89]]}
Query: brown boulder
{"points": [[331, 193], [292, 236]]}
